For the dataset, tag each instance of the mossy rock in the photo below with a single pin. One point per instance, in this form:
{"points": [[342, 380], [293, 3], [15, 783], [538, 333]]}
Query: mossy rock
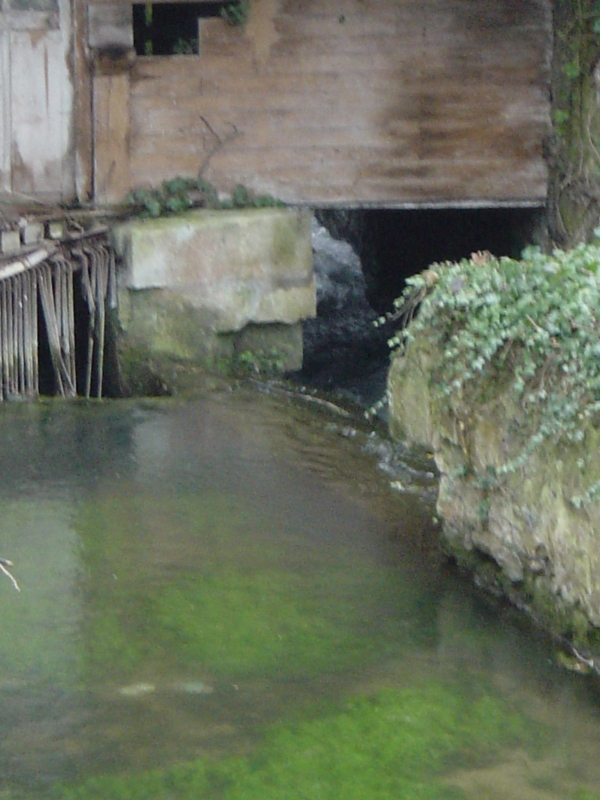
{"points": [[500, 378]]}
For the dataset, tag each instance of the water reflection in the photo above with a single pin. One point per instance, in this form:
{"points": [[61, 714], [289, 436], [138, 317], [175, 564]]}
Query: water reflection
{"points": [[194, 573]]}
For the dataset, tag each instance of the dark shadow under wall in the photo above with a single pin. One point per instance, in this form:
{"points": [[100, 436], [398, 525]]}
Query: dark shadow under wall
{"points": [[395, 244], [343, 350]]}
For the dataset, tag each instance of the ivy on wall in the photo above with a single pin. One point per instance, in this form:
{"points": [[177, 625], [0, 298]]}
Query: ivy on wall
{"points": [[574, 151], [528, 327]]}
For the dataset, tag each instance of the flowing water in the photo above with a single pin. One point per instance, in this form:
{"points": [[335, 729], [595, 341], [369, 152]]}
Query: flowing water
{"points": [[242, 597]]}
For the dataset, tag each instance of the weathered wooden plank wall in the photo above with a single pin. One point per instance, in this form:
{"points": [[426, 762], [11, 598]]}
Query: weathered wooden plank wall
{"points": [[348, 102]]}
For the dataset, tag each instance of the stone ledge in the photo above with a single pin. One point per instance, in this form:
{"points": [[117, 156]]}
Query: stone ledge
{"points": [[240, 266]]}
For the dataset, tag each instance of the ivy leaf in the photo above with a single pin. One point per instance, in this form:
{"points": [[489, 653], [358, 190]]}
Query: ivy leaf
{"points": [[572, 70]]}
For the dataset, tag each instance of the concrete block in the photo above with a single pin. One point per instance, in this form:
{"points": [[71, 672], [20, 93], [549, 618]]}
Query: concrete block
{"points": [[238, 267], [32, 233], [10, 242], [56, 229]]}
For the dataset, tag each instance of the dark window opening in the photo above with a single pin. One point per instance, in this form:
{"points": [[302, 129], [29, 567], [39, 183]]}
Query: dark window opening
{"points": [[166, 29]]}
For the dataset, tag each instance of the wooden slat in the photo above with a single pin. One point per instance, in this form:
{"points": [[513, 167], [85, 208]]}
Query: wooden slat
{"points": [[5, 113], [82, 106], [112, 178]]}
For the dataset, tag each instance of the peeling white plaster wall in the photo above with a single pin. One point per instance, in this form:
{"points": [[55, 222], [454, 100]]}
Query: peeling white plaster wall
{"points": [[36, 102]]}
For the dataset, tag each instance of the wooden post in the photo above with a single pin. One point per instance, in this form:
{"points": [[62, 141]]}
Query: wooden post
{"points": [[111, 137]]}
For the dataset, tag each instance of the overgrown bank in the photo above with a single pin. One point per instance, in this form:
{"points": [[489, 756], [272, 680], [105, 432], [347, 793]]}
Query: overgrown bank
{"points": [[500, 375]]}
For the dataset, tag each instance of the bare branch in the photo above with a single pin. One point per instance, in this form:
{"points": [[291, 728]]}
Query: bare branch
{"points": [[221, 142], [4, 564]]}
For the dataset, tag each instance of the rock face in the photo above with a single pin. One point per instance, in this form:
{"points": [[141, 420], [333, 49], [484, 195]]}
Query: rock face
{"points": [[207, 285], [526, 537], [343, 350]]}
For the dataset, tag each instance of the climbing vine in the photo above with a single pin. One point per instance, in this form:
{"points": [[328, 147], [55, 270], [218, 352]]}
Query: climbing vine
{"points": [[531, 325], [574, 148]]}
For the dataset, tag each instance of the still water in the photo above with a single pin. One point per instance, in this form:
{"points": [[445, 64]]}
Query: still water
{"points": [[241, 597]]}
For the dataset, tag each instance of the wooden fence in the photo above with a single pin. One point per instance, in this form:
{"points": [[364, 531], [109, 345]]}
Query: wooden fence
{"points": [[38, 289]]}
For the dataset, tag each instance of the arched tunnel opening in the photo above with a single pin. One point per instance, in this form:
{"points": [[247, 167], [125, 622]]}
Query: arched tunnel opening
{"points": [[362, 260]]}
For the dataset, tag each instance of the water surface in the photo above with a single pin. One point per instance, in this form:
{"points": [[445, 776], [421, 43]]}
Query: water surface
{"points": [[242, 596]]}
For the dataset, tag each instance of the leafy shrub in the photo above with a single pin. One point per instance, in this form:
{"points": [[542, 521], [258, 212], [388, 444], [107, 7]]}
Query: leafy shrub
{"points": [[532, 325]]}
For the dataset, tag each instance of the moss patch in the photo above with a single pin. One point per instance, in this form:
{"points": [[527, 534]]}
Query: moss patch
{"points": [[240, 610], [395, 744]]}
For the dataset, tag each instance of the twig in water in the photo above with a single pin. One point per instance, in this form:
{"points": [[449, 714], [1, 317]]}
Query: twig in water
{"points": [[325, 403], [4, 564]]}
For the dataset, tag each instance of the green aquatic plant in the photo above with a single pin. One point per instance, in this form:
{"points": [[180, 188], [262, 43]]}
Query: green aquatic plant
{"points": [[532, 325], [236, 622], [397, 744]]}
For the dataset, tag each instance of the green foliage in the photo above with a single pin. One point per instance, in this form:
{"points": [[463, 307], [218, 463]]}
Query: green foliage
{"points": [[242, 197], [185, 47], [574, 150], [235, 12], [396, 744], [533, 324], [578, 44], [265, 363], [180, 194]]}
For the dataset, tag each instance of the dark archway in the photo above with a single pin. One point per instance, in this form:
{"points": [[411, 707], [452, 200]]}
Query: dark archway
{"points": [[400, 243], [343, 350]]}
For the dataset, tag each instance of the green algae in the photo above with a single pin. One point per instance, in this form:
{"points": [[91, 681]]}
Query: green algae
{"points": [[234, 623], [397, 743], [241, 608]]}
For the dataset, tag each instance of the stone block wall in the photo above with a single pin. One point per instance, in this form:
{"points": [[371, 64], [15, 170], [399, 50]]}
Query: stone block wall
{"points": [[192, 287]]}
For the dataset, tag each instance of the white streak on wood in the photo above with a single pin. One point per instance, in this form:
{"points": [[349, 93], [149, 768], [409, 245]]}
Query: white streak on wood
{"points": [[5, 116], [26, 262]]}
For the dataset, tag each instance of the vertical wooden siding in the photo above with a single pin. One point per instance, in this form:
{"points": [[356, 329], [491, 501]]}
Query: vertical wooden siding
{"points": [[370, 102]]}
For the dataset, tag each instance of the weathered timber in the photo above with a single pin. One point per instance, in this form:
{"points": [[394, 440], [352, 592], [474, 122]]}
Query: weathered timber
{"points": [[111, 147], [36, 97], [384, 103], [47, 273], [374, 103]]}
